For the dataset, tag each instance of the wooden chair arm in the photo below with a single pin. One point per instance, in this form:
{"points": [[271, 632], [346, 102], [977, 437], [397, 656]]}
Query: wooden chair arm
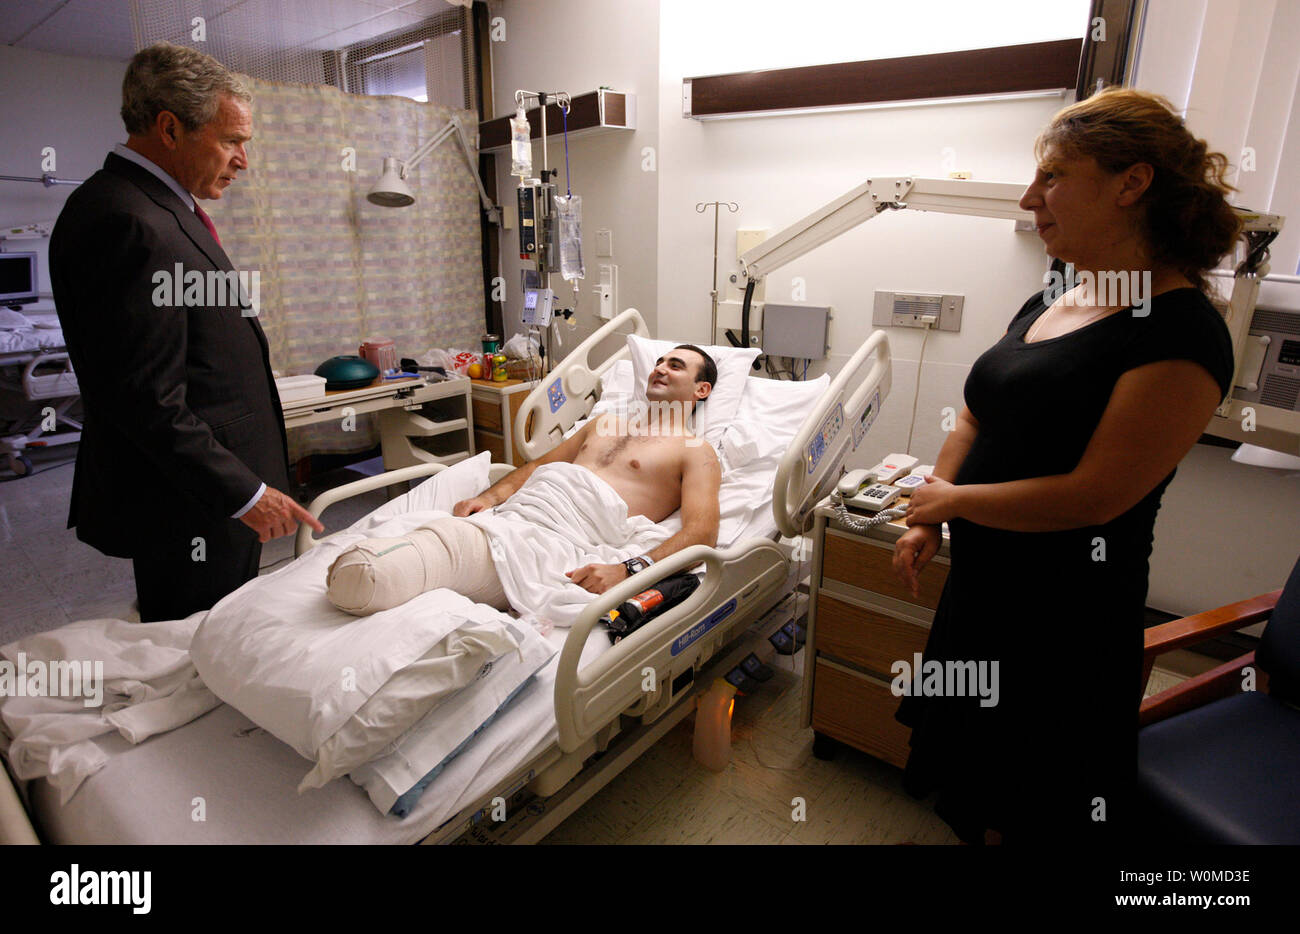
{"points": [[1216, 684], [1178, 633]]}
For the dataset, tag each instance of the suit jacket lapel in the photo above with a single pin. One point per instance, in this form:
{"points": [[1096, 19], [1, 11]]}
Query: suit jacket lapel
{"points": [[166, 199], [189, 223]]}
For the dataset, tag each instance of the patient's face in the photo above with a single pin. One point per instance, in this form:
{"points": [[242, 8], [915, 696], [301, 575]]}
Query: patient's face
{"points": [[675, 378]]}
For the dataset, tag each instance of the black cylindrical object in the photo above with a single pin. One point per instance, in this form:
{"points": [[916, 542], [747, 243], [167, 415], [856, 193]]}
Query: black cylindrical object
{"points": [[634, 613]]}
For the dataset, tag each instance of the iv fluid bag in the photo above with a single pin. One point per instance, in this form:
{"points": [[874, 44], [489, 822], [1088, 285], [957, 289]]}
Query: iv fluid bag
{"points": [[521, 145], [568, 211]]}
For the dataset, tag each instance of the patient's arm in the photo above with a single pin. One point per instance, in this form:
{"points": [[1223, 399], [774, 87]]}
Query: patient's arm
{"points": [[504, 488], [701, 482]]}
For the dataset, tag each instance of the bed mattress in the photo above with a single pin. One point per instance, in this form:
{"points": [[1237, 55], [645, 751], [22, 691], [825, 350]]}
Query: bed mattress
{"points": [[246, 780]]}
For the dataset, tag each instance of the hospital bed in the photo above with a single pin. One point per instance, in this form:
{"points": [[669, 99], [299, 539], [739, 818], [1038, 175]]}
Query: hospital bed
{"points": [[34, 364], [571, 728]]}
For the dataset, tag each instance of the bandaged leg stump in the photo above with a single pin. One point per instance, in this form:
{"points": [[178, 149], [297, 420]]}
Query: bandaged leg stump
{"points": [[381, 573]]}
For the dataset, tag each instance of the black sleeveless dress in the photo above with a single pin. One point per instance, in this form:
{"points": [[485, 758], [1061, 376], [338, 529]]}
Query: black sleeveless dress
{"points": [[1060, 612]]}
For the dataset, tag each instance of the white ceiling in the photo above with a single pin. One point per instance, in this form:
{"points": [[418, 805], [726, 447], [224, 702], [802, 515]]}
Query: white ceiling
{"points": [[102, 28]]}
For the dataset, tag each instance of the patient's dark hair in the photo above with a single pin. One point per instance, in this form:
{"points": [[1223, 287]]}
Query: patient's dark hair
{"points": [[708, 372]]}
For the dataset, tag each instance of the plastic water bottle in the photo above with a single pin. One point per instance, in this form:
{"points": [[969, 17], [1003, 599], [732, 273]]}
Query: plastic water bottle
{"points": [[712, 743]]}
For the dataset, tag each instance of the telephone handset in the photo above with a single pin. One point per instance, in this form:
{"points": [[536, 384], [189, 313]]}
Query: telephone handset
{"points": [[852, 481]]}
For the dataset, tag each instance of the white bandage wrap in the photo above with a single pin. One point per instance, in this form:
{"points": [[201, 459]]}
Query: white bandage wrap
{"points": [[381, 573]]}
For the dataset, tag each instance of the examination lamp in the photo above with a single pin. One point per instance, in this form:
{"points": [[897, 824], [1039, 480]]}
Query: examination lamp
{"points": [[392, 190]]}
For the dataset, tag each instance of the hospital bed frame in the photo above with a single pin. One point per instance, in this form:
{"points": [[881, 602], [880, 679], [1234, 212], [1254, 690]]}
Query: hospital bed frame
{"points": [[746, 591], [36, 384]]}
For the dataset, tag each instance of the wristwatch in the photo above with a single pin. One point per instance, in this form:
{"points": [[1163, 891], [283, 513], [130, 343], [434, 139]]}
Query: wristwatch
{"points": [[639, 563]]}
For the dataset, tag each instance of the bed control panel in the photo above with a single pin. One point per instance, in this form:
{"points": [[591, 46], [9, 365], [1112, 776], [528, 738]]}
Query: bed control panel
{"points": [[555, 395]]}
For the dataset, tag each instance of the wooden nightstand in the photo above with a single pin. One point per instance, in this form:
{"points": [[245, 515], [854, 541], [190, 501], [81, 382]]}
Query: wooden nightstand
{"points": [[495, 406], [861, 620]]}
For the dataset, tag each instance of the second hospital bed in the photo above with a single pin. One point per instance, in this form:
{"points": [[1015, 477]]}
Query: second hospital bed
{"points": [[571, 727], [34, 368]]}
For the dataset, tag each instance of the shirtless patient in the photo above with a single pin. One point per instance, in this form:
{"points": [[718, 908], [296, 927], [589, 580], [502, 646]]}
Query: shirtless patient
{"points": [[654, 464]]}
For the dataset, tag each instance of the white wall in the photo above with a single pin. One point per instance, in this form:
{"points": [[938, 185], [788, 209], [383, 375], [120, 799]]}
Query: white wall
{"points": [[579, 46], [69, 103], [781, 168]]}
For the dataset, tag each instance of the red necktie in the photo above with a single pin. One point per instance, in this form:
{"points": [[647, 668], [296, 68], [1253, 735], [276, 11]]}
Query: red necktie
{"points": [[207, 222]]}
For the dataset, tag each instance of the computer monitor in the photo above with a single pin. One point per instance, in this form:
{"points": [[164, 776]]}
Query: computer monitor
{"points": [[18, 282]]}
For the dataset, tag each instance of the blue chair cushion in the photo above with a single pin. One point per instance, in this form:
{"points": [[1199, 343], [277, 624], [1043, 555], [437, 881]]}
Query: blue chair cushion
{"points": [[1225, 773]]}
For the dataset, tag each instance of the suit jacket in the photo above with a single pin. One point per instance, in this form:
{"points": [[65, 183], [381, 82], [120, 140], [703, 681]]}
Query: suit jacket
{"points": [[182, 419]]}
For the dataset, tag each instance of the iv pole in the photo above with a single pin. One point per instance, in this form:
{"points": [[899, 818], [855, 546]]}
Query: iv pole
{"points": [[713, 293]]}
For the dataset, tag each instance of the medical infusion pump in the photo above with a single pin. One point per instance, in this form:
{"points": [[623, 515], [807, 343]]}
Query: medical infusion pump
{"points": [[537, 306], [537, 220]]}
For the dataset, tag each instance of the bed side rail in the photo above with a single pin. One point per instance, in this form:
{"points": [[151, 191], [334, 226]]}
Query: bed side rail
{"points": [[50, 385], [837, 425], [569, 392], [736, 580], [304, 542]]}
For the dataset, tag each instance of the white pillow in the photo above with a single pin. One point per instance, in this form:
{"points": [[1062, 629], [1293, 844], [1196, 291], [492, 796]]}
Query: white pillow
{"points": [[448, 487], [733, 371], [617, 380], [442, 491], [776, 408], [13, 321], [770, 414]]}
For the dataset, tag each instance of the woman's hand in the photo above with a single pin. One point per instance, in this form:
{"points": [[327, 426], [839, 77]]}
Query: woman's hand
{"points": [[913, 551], [932, 504]]}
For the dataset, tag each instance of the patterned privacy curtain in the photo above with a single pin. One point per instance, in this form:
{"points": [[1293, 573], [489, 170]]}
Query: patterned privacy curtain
{"points": [[336, 270]]}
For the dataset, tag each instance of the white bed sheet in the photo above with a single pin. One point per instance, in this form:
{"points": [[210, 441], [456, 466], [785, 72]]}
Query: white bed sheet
{"points": [[29, 340], [246, 780]]}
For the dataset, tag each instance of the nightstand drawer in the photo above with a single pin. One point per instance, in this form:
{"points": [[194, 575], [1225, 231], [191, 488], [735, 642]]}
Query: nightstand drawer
{"points": [[870, 566], [859, 711], [484, 441], [487, 414], [867, 638]]}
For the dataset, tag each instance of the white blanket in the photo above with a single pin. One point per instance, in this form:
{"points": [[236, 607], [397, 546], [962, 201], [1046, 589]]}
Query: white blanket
{"points": [[335, 687], [140, 674], [563, 518]]}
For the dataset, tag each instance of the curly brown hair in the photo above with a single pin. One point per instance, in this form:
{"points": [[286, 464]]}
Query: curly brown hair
{"points": [[1188, 223]]}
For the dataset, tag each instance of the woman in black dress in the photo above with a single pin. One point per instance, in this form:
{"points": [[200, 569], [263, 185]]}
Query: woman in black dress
{"points": [[1073, 425]]}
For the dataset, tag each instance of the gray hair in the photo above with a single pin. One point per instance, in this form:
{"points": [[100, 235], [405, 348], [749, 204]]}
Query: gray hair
{"points": [[174, 78]]}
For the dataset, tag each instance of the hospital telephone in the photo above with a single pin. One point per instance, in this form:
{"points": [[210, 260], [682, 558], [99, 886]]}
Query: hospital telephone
{"points": [[858, 490], [863, 489]]}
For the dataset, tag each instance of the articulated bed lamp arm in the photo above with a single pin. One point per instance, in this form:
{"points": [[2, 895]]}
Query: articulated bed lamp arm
{"points": [[869, 200]]}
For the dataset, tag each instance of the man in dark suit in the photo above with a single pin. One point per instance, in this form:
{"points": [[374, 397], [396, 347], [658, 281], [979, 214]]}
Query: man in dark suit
{"points": [[183, 455]]}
